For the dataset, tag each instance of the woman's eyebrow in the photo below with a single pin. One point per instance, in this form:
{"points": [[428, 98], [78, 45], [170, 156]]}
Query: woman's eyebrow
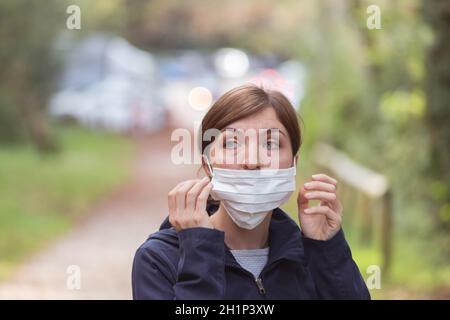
{"points": [[268, 130], [232, 130], [277, 130]]}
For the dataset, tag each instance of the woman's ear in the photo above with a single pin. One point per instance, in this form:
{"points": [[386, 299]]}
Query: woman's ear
{"points": [[206, 167]]}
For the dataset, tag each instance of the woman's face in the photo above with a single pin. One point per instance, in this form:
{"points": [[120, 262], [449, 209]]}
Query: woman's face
{"points": [[259, 141]]}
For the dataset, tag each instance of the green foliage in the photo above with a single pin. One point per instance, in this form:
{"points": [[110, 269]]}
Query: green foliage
{"points": [[438, 110], [27, 64]]}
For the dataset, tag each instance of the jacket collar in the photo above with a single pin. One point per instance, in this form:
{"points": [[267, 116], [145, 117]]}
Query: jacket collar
{"points": [[284, 241]]}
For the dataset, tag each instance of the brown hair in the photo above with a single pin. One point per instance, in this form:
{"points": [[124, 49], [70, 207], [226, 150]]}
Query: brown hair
{"points": [[248, 99]]}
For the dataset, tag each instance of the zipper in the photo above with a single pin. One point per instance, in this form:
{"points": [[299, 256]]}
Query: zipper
{"points": [[260, 286], [258, 280]]}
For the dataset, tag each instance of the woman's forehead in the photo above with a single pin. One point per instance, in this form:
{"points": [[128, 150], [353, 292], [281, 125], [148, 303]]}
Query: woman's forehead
{"points": [[264, 119]]}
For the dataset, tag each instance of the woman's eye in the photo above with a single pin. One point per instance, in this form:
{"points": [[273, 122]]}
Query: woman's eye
{"points": [[230, 144], [271, 145]]}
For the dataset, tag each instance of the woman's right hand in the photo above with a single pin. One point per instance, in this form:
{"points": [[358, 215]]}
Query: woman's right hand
{"points": [[187, 204]]}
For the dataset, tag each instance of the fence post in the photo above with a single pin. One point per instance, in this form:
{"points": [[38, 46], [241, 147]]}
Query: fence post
{"points": [[386, 231]]}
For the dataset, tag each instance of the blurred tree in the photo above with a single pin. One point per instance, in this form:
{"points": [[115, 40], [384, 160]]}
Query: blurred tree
{"points": [[437, 14], [27, 67]]}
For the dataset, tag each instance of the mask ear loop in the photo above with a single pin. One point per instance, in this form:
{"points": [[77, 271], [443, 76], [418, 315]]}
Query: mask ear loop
{"points": [[209, 165]]}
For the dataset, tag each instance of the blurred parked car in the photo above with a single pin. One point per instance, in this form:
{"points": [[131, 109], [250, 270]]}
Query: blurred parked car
{"points": [[108, 83]]}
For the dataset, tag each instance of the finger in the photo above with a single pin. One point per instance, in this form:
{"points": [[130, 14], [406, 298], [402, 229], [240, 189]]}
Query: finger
{"points": [[324, 178], [181, 196], [173, 208], [171, 201], [173, 198], [191, 196], [202, 198], [320, 186], [302, 201], [321, 195], [323, 210]]}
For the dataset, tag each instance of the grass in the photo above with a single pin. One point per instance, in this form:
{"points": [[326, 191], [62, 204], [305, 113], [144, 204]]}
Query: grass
{"points": [[41, 196]]}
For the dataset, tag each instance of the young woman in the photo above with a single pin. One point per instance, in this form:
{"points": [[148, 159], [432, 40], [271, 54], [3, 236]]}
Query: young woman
{"points": [[226, 237]]}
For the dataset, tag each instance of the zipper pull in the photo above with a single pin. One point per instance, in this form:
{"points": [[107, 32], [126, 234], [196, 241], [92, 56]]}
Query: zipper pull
{"points": [[260, 285]]}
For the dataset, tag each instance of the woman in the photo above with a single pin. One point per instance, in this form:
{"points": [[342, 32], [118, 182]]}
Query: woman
{"points": [[227, 238]]}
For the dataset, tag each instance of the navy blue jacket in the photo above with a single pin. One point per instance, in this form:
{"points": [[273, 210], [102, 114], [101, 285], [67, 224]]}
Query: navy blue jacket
{"points": [[196, 263]]}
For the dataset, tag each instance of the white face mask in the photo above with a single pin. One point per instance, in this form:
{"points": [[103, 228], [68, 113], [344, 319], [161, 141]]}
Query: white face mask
{"points": [[249, 195]]}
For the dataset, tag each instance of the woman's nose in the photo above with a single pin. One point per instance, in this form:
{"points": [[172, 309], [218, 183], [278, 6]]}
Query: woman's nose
{"points": [[254, 161], [250, 166]]}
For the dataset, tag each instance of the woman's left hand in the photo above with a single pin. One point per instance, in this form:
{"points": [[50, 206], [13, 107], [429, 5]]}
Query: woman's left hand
{"points": [[323, 221]]}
